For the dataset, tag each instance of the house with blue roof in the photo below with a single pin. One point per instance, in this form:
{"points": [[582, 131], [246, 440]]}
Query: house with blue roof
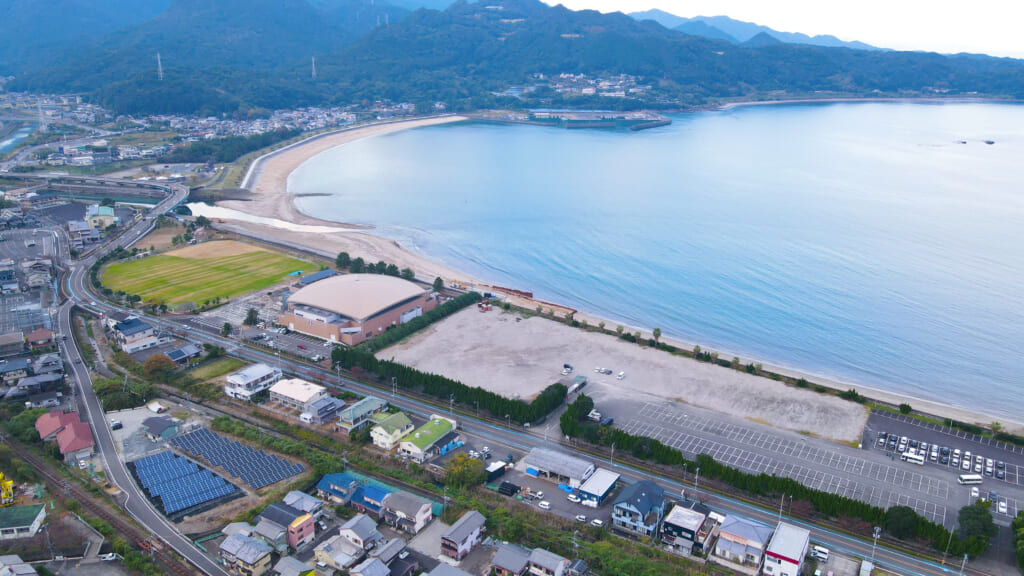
{"points": [[639, 509], [338, 488], [370, 500]]}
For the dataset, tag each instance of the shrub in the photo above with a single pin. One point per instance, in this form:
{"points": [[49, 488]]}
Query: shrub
{"points": [[905, 409]]}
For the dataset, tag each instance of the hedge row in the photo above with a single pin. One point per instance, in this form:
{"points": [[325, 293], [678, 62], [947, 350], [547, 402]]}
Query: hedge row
{"points": [[416, 324], [764, 485], [443, 388]]}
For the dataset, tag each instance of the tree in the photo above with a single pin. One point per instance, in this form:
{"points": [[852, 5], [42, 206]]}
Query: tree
{"points": [[408, 274], [158, 366], [392, 270], [463, 471], [901, 521], [584, 404], [343, 260], [226, 329], [382, 267], [636, 335], [202, 221], [619, 329], [976, 521], [905, 409], [358, 266], [252, 317], [107, 202], [438, 284], [601, 326], [657, 335]]}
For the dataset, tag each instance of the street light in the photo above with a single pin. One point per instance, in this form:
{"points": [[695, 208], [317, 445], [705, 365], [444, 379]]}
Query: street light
{"points": [[477, 404], [451, 403], [878, 532], [962, 564], [508, 419], [696, 480]]}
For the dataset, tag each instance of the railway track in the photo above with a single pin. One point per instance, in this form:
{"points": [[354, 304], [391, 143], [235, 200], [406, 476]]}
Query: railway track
{"points": [[134, 535]]}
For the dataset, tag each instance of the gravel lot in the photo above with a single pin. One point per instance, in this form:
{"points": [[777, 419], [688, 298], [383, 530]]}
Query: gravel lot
{"points": [[519, 357]]}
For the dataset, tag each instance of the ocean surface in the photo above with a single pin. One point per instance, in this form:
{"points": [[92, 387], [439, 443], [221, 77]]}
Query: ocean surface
{"points": [[879, 244]]}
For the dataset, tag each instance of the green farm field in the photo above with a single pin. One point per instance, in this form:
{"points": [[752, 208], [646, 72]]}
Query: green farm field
{"points": [[202, 272]]}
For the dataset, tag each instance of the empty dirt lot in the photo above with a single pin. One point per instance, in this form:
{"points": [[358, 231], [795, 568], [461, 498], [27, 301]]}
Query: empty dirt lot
{"points": [[512, 356]]}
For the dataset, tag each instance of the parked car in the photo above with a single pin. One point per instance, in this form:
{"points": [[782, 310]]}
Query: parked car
{"points": [[544, 505], [975, 492], [574, 499], [620, 376], [1002, 507], [581, 518], [597, 522]]}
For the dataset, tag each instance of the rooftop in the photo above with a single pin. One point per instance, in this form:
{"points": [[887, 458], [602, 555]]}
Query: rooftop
{"points": [[443, 569], [404, 502], [19, 516], [361, 408], [297, 389], [789, 542], [370, 567], [51, 422], [251, 373], [362, 526], [425, 436], [248, 550], [746, 529], [356, 296], [394, 422], [600, 482], [281, 514], [291, 566], [511, 558], [545, 559], [131, 326], [12, 338], [644, 496], [157, 424], [469, 523], [74, 437], [302, 501], [685, 518], [558, 462]]}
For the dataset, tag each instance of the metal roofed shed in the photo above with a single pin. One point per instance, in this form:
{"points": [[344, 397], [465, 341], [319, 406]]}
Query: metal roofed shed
{"points": [[317, 276], [598, 487], [356, 296], [558, 466]]}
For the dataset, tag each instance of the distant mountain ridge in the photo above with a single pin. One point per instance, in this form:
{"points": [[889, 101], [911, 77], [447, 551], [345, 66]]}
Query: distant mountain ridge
{"points": [[725, 28]]}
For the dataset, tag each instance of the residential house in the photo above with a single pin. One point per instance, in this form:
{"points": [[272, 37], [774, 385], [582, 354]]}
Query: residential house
{"points": [[75, 443], [370, 500], [40, 400], [359, 414], [338, 553], [370, 567], [36, 272], [390, 429], [292, 566], [687, 528], [406, 512], [429, 439], [13, 370], [247, 555], [544, 563], [81, 234], [297, 393], [741, 544], [275, 535], [47, 363], [510, 560], [115, 317], [50, 423], [577, 568], [786, 550], [322, 410], [443, 569], [21, 521], [243, 528], [39, 338], [360, 530], [182, 354], [338, 488], [34, 384], [304, 503], [100, 217], [639, 509], [159, 428], [298, 525], [388, 551], [251, 380], [134, 335], [460, 538], [12, 343]]}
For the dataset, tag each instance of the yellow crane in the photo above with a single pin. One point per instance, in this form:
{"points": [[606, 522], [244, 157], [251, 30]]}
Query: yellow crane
{"points": [[6, 490]]}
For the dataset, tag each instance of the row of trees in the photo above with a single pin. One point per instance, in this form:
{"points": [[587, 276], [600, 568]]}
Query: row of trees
{"points": [[416, 324], [229, 149], [1018, 539], [763, 485], [445, 388], [359, 266]]}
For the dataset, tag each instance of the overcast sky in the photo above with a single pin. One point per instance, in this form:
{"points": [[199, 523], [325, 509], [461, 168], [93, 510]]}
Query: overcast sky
{"points": [[979, 26]]}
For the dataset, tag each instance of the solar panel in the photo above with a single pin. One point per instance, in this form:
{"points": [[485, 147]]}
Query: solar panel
{"points": [[254, 467], [178, 483]]}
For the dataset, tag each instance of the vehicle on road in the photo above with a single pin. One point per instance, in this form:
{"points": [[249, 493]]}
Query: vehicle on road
{"points": [[820, 553], [544, 505], [620, 376], [597, 522], [302, 346], [581, 518]]}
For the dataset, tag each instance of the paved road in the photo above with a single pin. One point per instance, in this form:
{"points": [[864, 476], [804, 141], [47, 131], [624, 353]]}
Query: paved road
{"points": [[513, 438]]}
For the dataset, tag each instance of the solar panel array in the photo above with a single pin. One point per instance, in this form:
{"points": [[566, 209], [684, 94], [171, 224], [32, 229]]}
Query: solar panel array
{"points": [[179, 483], [255, 467]]}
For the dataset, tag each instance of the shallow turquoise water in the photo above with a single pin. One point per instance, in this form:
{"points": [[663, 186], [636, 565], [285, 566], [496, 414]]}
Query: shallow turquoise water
{"points": [[861, 242]]}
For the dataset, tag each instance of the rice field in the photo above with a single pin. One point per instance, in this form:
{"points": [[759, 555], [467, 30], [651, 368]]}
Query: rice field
{"points": [[191, 275]]}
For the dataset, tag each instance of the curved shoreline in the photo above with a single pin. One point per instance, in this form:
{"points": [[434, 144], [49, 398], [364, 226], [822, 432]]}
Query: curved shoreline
{"points": [[274, 201]]}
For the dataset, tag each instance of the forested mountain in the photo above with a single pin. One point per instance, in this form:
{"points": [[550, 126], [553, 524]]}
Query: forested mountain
{"points": [[236, 55], [34, 32], [738, 31]]}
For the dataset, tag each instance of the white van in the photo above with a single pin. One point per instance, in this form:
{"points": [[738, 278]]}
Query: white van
{"points": [[820, 553], [306, 417]]}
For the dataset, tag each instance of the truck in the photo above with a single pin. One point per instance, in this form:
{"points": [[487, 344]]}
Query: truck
{"points": [[594, 416]]}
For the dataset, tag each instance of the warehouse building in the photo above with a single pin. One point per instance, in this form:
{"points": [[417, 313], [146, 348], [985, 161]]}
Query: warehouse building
{"points": [[558, 466], [598, 487], [353, 308]]}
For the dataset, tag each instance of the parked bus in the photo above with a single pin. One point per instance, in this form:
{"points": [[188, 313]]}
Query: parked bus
{"points": [[914, 458], [969, 479]]}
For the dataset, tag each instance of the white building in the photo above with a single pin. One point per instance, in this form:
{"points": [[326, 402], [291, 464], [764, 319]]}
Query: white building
{"points": [[297, 393], [251, 380], [558, 466], [786, 551]]}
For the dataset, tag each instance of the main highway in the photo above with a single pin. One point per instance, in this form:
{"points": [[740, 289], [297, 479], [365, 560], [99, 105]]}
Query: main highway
{"points": [[81, 294]]}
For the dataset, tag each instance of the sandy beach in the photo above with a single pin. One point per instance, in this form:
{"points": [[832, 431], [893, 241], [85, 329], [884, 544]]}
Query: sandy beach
{"points": [[274, 205]]}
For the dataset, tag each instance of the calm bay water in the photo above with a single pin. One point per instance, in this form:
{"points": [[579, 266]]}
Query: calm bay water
{"points": [[860, 242]]}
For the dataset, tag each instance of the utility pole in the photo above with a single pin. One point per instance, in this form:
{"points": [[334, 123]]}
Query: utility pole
{"points": [[878, 532], [314, 67], [962, 564], [451, 403], [611, 457], [696, 480], [394, 385], [508, 420], [781, 503], [159, 68]]}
